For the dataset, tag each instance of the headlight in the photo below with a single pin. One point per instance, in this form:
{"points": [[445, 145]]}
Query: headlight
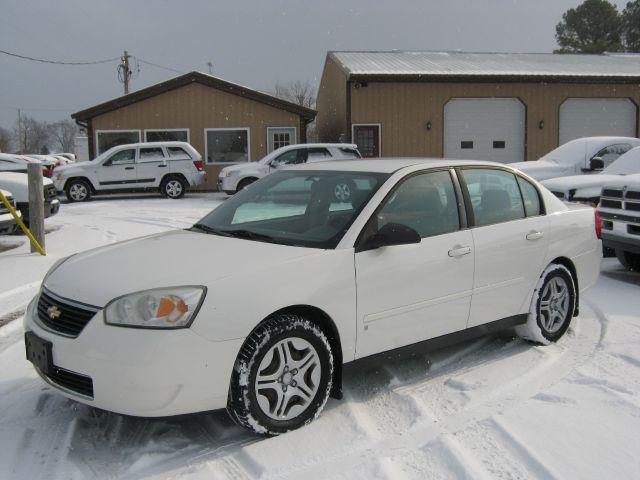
{"points": [[172, 307], [226, 173]]}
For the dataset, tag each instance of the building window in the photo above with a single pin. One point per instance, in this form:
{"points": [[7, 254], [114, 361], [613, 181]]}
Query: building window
{"points": [[167, 135], [466, 144], [499, 144], [227, 145], [278, 137], [105, 139]]}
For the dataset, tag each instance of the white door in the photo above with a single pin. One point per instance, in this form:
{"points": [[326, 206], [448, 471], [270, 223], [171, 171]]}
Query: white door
{"points": [[152, 166], [592, 117], [510, 241], [118, 171], [409, 293], [484, 129]]}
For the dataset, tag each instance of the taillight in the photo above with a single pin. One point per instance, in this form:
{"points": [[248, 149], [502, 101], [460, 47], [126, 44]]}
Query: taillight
{"points": [[598, 224], [199, 165]]}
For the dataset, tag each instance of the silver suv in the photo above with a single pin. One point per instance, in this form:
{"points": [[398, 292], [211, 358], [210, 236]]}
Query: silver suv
{"points": [[619, 210], [170, 167]]}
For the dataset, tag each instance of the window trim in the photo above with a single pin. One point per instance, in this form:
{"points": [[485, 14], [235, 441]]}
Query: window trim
{"points": [[147, 130], [379, 125], [230, 129], [467, 198], [295, 136], [462, 216], [129, 130]]}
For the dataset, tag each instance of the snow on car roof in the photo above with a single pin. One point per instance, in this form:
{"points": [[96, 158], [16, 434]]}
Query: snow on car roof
{"points": [[387, 165], [496, 64]]}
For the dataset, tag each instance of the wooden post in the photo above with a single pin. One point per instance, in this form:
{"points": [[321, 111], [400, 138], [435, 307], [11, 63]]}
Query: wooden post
{"points": [[36, 203]]}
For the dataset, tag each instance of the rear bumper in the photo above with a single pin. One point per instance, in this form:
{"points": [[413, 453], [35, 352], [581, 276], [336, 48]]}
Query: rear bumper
{"points": [[198, 179]]}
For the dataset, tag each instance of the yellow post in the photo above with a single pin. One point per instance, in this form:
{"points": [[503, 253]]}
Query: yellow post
{"points": [[22, 225]]}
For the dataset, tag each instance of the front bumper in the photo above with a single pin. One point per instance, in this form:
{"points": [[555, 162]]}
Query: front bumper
{"points": [[621, 243], [142, 372], [7, 223], [50, 208], [228, 185]]}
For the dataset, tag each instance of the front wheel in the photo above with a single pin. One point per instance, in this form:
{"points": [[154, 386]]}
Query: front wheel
{"points": [[173, 187], [78, 191], [552, 307], [282, 376], [630, 261]]}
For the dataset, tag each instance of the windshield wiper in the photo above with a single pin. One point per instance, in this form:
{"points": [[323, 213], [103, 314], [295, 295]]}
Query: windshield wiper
{"points": [[249, 235], [207, 229]]}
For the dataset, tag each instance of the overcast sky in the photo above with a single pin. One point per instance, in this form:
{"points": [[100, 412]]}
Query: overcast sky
{"points": [[252, 42]]}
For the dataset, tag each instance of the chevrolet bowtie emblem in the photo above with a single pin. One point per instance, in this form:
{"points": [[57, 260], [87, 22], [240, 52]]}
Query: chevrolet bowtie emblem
{"points": [[53, 312]]}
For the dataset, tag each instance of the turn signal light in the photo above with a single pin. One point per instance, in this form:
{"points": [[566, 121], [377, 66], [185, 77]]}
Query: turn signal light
{"points": [[172, 308], [598, 224]]}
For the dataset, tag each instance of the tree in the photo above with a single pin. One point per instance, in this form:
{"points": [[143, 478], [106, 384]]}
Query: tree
{"points": [[63, 134], [631, 26], [35, 135], [299, 92], [5, 140], [593, 27]]}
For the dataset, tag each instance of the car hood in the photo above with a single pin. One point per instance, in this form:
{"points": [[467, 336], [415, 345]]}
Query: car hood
{"points": [[241, 167], [540, 169], [18, 181], [563, 184], [179, 257]]}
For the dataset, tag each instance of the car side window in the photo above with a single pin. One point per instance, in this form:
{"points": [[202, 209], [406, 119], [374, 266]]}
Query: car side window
{"points": [[151, 154], [316, 154], [122, 157], [177, 152], [495, 195], [292, 157], [531, 197], [610, 153], [349, 153], [425, 202]]}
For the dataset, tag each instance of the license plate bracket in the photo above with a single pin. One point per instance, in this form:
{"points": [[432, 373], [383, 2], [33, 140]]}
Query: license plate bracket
{"points": [[39, 352]]}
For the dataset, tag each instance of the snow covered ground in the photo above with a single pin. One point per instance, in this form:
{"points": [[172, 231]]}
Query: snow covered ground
{"points": [[496, 407]]}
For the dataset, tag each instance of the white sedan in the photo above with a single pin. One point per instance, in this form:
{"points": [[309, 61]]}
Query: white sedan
{"points": [[258, 306]]}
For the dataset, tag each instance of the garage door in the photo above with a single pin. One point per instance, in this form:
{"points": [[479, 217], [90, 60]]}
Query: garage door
{"points": [[484, 129], [590, 117]]}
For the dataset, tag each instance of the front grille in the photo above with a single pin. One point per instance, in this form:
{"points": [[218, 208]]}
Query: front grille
{"points": [[50, 193], [4, 209], [610, 192], [72, 381], [632, 206], [610, 203], [633, 195], [62, 315]]}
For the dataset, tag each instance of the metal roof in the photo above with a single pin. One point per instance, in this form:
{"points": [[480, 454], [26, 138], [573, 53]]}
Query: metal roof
{"points": [[426, 63]]}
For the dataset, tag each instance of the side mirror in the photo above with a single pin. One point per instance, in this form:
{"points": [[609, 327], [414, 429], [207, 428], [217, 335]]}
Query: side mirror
{"points": [[596, 163], [392, 234]]}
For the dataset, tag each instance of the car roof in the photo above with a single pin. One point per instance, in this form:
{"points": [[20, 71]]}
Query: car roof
{"points": [[389, 165]]}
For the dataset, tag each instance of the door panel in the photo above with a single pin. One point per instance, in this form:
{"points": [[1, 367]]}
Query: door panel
{"points": [[410, 293], [118, 171], [151, 166]]}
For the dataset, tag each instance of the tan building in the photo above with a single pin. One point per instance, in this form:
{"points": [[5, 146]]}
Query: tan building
{"points": [[225, 122], [503, 107]]}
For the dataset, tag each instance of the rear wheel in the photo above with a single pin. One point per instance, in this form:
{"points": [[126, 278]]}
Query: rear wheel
{"points": [[552, 306], [630, 261], [173, 187], [282, 376], [78, 191]]}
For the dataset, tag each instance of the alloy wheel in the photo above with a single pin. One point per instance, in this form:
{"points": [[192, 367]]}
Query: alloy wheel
{"points": [[78, 192], [554, 304], [173, 188]]}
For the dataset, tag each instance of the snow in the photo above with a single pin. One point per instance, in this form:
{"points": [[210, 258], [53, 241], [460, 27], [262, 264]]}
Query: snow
{"points": [[495, 407]]}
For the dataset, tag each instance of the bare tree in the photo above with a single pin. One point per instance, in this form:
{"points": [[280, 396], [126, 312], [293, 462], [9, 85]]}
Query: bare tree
{"points": [[5, 140], [297, 91], [63, 133], [35, 135]]}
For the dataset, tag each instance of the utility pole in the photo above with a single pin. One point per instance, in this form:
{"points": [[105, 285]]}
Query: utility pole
{"points": [[20, 144], [36, 204], [210, 65], [126, 71]]}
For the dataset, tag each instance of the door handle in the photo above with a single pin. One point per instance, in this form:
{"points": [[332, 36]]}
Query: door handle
{"points": [[534, 235], [128, 168], [459, 251], [161, 166]]}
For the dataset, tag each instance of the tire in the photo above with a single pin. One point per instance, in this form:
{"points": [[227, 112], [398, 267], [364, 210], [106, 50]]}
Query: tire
{"points": [[291, 393], [630, 261], [552, 306], [173, 187], [78, 191], [244, 183]]}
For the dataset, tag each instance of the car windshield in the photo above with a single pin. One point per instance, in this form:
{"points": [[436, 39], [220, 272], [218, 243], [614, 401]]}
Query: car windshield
{"points": [[302, 208], [626, 164]]}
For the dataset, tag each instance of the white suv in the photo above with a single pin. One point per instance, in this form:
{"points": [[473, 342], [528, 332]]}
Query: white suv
{"points": [[236, 177], [171, 167]]}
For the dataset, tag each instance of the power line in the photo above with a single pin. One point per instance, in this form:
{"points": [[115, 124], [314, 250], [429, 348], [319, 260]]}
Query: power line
{"points": [[56, 62], [158, 66]]}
